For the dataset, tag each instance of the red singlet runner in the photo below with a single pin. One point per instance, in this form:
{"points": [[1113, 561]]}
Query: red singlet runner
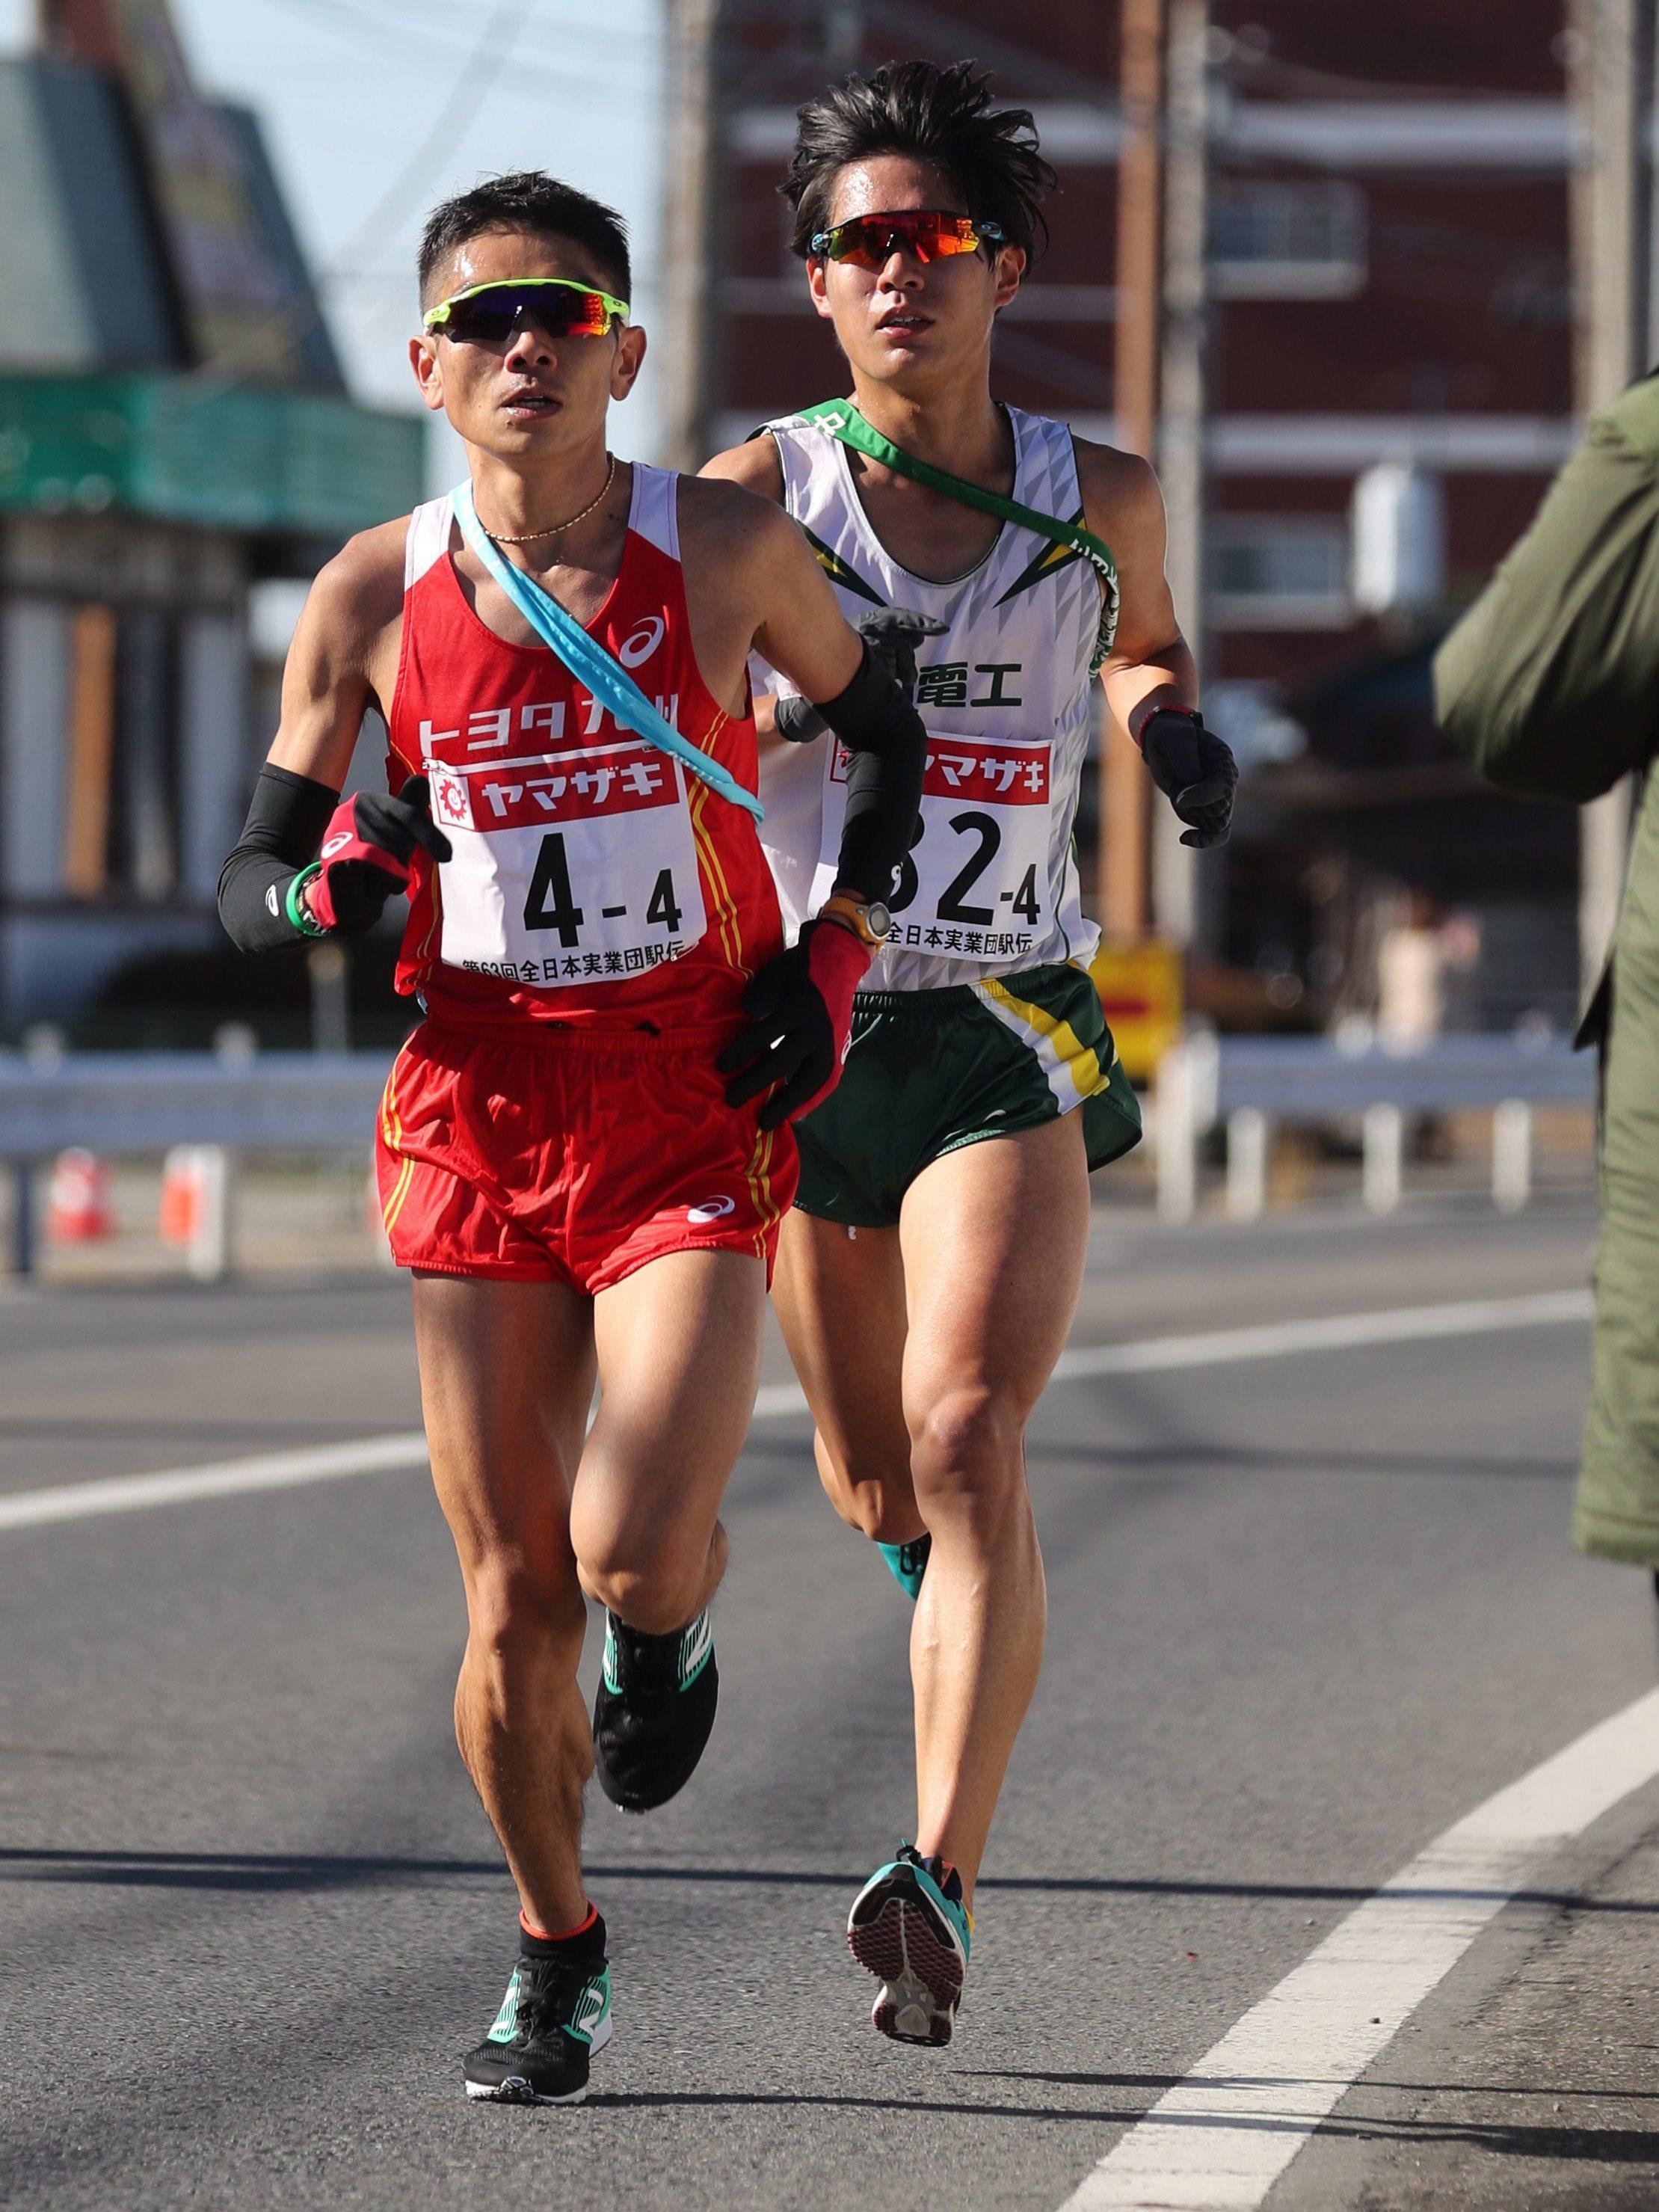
{"points": [[558, 1116]]}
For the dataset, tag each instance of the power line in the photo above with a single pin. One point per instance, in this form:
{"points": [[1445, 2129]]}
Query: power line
{"points": [[490, 55], [351, 22]]}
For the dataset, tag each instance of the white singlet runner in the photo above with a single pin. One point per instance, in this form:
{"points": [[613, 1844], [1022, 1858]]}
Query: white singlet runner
{"points": [[991, 887]]}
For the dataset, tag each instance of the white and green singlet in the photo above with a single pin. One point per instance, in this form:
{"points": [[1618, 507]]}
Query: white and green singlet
{"points": [[991, 887]]}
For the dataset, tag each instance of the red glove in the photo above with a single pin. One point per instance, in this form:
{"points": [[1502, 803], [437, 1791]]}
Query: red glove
{"points": [[365, 855], [801, 1007]]}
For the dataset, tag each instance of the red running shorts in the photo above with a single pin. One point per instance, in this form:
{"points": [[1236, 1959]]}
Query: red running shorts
{"points": [[565, 1154]]}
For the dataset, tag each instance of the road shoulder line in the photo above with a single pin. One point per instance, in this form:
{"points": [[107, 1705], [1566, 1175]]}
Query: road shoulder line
{"points": [[1219, 2140]]}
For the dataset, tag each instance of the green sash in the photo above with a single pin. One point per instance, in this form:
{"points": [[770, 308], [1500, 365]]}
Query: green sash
{"points": [[843, 421]]}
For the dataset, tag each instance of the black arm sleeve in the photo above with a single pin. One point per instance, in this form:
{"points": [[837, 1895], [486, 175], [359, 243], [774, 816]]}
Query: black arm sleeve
{"points": [[885, 734], [284, 827]]}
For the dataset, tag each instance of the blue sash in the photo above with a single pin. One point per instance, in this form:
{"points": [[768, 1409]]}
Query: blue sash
{"points": [[591, 663]]}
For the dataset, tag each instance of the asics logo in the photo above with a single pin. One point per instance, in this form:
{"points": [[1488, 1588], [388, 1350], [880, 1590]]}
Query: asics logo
{"points": [[712, 1209], [333, 845], [642, 643]]}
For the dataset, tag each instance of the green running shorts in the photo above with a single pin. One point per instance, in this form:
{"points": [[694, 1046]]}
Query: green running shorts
{"points": [[928, 1071]]}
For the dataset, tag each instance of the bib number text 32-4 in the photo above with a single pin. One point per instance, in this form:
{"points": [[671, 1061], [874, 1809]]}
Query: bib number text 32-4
{"points": [[975, 884]]}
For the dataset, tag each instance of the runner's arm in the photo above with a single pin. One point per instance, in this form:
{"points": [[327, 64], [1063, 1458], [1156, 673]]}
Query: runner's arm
{"points": [[755, 465], [1149, 681], [327, 689], [1150, 666], [805, 635]]}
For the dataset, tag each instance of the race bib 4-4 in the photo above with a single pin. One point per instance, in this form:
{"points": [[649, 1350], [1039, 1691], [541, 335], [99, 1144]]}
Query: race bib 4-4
{"points": [[976, 883], [569, 868]]}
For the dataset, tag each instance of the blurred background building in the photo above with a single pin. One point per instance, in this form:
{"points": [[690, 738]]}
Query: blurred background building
{"points": [[1346, 336], [176, 441], [1319, 261]]}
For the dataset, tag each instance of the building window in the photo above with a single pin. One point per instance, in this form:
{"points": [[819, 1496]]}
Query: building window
{"points": [[1288, 241], [1280, 572]]}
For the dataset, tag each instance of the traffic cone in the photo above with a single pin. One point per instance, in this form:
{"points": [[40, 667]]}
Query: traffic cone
{"points": [[181, 1213], [77, 1204]]}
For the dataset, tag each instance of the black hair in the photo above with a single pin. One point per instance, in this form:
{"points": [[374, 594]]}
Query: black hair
{"points": [[939, 114], [529, 199]]}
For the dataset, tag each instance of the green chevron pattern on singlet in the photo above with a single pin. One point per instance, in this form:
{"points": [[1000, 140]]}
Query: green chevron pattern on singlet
{"points": [[840, 571]]}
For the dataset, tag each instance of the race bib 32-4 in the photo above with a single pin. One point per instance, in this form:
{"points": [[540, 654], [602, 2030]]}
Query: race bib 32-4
{"points": [[976, 884]]}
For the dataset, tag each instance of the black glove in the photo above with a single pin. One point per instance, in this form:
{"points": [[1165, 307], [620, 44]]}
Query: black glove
{"points": [[891, 633], [366, 854], [1194, 770], [801, 1009]]}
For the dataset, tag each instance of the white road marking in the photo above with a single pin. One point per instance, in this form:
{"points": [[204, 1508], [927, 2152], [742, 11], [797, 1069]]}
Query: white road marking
{"points": [[132, 1493], [1219, 2141], [1333, 1333]]}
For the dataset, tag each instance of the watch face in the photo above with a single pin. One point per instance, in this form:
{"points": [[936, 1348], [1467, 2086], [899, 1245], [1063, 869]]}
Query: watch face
{"points": [[879, 919]]}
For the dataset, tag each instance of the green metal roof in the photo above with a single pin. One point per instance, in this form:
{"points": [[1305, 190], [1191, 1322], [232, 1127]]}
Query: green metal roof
{"points": [[218, 456]]}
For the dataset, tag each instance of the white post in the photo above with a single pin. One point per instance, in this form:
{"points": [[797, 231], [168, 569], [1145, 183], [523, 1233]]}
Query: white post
{"points": [[1246, 1163], [1188, 1079], [1177, 1137], [208, 1255], [1384, 1143], [1511, 1155]]}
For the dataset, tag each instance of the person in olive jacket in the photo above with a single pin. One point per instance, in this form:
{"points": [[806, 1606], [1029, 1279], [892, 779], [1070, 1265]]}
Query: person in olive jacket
{"points": [[1550, 686]]}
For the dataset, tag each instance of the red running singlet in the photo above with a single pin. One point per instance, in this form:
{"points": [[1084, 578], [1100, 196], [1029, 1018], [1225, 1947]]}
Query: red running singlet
{"points": [[594, 880]]}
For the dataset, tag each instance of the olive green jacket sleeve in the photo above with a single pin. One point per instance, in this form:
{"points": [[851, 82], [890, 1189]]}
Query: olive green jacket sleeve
{"points": [[1549, 685]]}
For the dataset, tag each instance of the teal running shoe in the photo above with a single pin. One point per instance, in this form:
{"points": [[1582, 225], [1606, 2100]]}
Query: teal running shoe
{"points": [[908, 1564], [908, 1930], [555, 2015]]}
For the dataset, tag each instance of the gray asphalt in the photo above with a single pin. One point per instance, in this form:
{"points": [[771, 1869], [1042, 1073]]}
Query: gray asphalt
{"points": [[1304, 1613]]}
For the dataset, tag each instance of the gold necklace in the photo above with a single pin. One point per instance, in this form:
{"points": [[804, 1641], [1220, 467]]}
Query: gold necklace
{"points": [[529, 537]]}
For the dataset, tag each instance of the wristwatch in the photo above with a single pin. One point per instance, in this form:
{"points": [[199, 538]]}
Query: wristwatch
{"points": [[868, 919]]}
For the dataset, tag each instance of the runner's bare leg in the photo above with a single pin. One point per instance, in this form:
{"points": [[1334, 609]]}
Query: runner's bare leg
{"points": [[840, 1303], [994, 1238], [506, 1378], [680, 1346]]}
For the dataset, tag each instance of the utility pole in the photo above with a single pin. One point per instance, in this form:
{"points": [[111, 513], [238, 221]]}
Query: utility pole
{"points": [[690, 312], [1181, 457], [1610, 88], [1125, 790]]}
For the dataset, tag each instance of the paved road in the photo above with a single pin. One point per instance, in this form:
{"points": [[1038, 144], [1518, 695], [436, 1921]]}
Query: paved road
{"points": [[1306, 1612]]}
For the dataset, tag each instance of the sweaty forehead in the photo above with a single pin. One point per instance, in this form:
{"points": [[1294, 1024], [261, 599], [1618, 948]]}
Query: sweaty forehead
{"points": [[887, 183], [494, 255]]}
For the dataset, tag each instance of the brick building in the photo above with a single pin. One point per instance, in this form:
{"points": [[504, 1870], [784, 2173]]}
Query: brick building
{"points": [[1389, 283]]}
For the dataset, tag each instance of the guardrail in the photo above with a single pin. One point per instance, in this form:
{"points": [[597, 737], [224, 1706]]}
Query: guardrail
{"points": [[1248, 1084], [228, 1102]]}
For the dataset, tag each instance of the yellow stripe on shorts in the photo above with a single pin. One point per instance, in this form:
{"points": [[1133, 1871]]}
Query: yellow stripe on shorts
{"points": [[1074, 1068]]}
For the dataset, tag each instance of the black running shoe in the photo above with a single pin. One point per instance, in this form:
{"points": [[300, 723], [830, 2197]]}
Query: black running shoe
{"points": [[654, 1712], [555, 2015]]}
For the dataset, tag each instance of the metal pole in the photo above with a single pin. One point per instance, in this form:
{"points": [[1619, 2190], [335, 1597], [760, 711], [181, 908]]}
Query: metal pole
{"points": [[1186, 303], [1125, 792], [689, 313], [1608, 88], [24, 1230]]}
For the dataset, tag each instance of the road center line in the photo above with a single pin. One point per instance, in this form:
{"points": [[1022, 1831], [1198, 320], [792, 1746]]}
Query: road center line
{"points": [[134, 1493], [1219, 2141]]}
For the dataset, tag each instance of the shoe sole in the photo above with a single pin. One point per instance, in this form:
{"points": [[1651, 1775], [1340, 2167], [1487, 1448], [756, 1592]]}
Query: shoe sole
{"points": [[920, 1972], [515, 2090]]}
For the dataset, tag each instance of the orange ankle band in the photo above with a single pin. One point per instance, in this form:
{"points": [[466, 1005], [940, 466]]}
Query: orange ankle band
{"points": [[542, 1936]]}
